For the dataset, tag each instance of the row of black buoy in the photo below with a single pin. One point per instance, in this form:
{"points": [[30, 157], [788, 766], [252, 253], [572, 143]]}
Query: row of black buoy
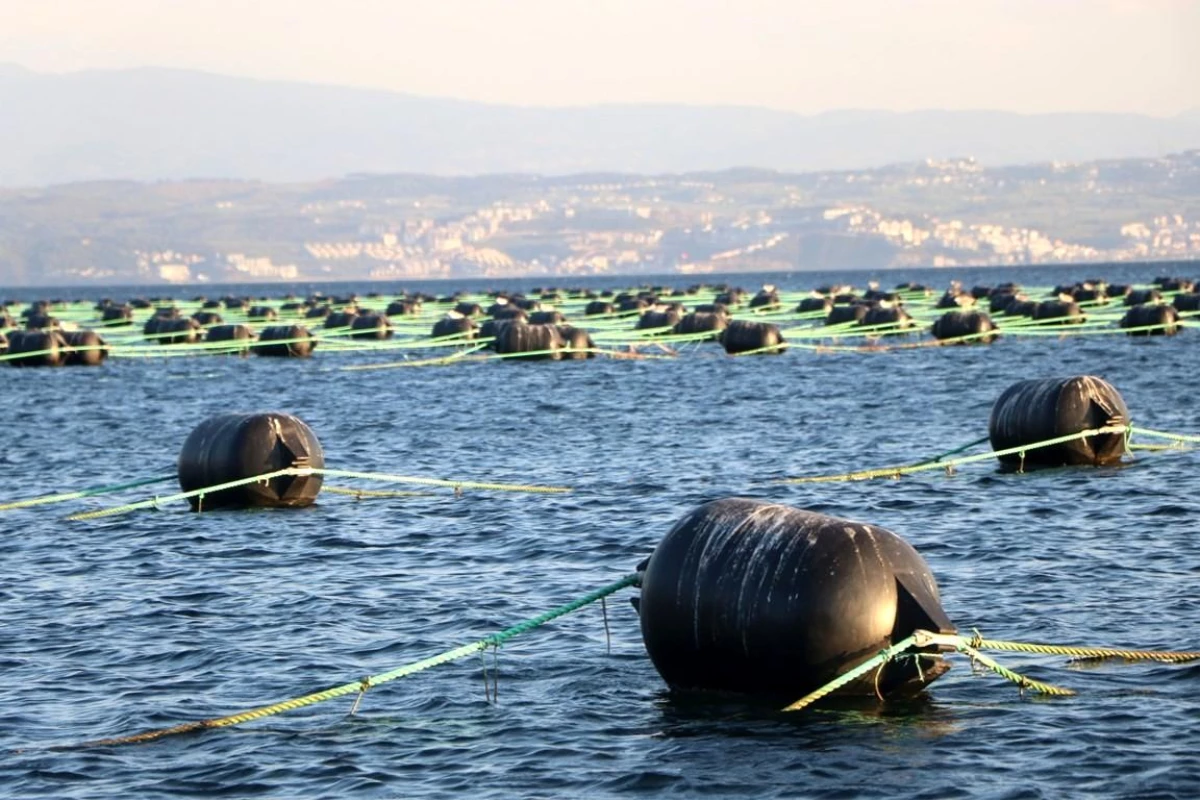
{"points": [[962, 322], [53, 348]]}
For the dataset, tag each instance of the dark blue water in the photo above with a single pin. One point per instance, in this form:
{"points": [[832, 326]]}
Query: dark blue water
{"points": [[129, 623]]}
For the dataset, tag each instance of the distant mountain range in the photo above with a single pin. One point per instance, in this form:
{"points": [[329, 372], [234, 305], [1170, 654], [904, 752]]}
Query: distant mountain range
{"points": [[156, 124]]}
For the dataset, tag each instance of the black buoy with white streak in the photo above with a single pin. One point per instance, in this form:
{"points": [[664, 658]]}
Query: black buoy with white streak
{"points": [[1038, 410], [765, 599], [231, 447]]}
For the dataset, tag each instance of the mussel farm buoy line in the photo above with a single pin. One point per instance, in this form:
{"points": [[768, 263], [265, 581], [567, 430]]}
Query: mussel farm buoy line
{"points": [[577, 324]]}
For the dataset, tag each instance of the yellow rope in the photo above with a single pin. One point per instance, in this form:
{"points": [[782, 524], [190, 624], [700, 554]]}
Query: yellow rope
{"points": [[909, 469], [371, 476], [375, 492], [456, 485], [363, 684], [1004, 672], [1098, 653]]}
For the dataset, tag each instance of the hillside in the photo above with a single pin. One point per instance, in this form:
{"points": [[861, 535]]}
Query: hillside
{"points": [[160, 124], [410, 226]]}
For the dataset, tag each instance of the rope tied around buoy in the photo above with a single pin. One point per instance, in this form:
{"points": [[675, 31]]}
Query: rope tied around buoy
{"points": [[363, 684], [971, 647]]}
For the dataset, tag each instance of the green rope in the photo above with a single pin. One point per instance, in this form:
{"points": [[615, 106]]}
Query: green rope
{"points": [[1178, 437], [298, 471], [1008, 674], [956, 450], [424, 362], [62, 498], [955, 462], [108, 512], [1088, 653], [362, 685], [502, 487], [874, 662]]}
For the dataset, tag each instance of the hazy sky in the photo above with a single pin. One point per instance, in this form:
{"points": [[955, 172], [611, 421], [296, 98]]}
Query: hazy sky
{"points": [[801, 55]]}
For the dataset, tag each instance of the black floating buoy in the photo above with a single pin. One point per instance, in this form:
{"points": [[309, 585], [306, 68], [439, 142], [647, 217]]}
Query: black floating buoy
{"points": [[597, 307], [1062, 312], [85, 348], [371, 326], [230, 447], [743, 336], [262, 313], [285, 341], [655, 318], [547, 317], [811, 304], [402, 308], [340, 319], [1037, 410], [841, 314], [454, 324], [37, 348], [1022, 308], [166, 330], [1165, 317], [239, 337], [208, 318], [577, 343], [525, 341], [958, 324], [891, 315], [702, 322], [760, 598], [1187, 301], [113, 316]]}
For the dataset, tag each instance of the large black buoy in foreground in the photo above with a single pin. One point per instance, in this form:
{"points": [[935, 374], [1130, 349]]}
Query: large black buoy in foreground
{"points": [[230, 447], [759, 598], [1037, 410]]}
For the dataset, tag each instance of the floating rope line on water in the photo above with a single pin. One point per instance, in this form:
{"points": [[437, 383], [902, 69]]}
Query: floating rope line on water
{"points": [[457, 486], [1086, 653], [1177, 437], [361, 493], [362, 685], [909, 469], [971, 646], [949, 465], [423, 362], [82, 493]]}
